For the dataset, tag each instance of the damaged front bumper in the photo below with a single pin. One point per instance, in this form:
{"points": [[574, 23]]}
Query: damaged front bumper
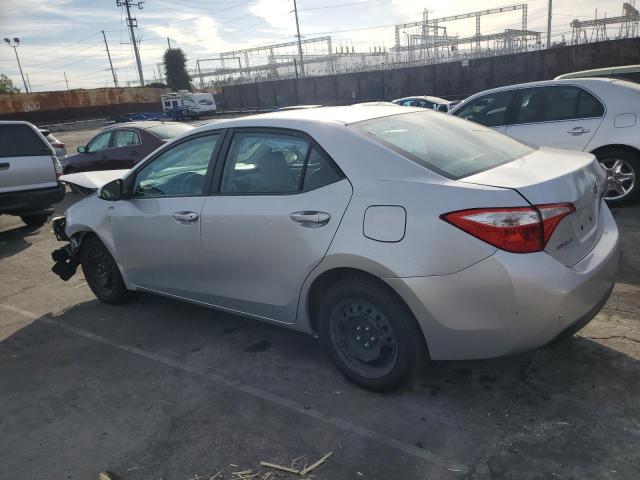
{"points": [[66, 258]]}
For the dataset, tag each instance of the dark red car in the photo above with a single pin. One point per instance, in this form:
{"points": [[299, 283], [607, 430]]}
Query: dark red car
{"points": [[123, 145]]}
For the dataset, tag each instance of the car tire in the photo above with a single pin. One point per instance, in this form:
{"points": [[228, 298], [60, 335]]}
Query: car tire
{"points": [[619, 162], [36, 220], [101, 271], [393, 347]]}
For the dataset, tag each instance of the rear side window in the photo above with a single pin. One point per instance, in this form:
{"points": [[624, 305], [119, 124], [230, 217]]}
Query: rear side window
{"points": [[319, 172], [553, 104], [21, 141], [489, 110], [442, 143], [264, 163], [124, 138], [275, 163]]}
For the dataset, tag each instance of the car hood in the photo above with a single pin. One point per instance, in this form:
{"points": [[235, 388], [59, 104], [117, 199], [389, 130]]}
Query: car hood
{"points": [[93, 180]]}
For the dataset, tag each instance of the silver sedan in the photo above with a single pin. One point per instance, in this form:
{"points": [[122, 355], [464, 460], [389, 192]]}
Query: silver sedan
{"points": [[394, 234]]}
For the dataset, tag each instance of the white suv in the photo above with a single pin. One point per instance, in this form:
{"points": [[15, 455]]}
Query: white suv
{"points": [[594, 115], [29, 171]]}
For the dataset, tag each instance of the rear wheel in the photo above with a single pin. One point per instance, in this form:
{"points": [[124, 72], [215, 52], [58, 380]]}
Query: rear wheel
{"points": [[36, 220], [101, 271], [369, 334], [622, 169]]}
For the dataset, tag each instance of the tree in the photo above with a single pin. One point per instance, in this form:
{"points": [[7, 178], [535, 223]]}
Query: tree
{"points": [[6, 85], [175, 67]]}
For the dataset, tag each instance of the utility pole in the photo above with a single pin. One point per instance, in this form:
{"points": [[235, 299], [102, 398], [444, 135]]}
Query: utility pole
{"points": [[200, 74], [113, 72], [15, 45], [168, 43], [295, 11], [132, 22], [549, 26], [66, 81]]}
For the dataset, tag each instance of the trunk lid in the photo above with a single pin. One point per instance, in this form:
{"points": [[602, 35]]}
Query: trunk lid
{"points": [[557, 176]]}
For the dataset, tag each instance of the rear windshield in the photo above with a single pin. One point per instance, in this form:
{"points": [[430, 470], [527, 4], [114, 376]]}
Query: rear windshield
{"points": [[168, 131], [450, 146], [21, 141]]}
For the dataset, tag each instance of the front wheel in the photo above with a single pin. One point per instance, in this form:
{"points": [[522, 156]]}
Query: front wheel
{"points": [[101, 271], [622, 169], [370, 335]]}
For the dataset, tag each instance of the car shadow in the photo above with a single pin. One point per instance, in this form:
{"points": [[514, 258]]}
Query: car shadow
{"points": [[569, 407], [15, 240]]}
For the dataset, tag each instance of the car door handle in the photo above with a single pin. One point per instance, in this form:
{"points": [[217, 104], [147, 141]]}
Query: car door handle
{"points": [[310, 218], [578, 131], [186, 216], [4, 166]]}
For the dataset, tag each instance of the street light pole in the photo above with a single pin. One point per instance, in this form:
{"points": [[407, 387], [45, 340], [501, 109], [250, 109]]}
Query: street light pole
{"points": [[16, 40]]}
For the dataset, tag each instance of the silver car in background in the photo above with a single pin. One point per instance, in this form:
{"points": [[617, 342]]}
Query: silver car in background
{"points": [[391, 233]]}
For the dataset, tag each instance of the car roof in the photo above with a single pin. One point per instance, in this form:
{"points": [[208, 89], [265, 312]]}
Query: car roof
{"points": [[424, 97], [292, 118], [597, 72], [542, 83], [142, 125], [593, 82]]}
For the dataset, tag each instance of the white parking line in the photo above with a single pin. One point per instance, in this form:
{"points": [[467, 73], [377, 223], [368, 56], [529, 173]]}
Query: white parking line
{"points": [[282, 402]]}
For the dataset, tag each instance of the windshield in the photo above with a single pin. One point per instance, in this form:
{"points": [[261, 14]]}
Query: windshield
{"points": [[169, 130], [447, 145]]}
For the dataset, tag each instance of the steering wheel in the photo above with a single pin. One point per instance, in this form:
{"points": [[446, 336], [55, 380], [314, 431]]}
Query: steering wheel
{"points": [[190, 182]]}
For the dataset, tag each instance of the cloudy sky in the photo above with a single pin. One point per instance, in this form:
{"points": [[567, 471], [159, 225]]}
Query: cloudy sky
{"points": [[58, 36]]}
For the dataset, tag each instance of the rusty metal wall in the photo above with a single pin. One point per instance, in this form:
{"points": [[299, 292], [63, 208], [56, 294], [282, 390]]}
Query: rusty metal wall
{"points": [[79, 104]]}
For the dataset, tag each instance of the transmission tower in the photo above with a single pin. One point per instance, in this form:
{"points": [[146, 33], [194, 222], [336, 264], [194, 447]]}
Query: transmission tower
{"points": [[628, 21], [132, 22]]}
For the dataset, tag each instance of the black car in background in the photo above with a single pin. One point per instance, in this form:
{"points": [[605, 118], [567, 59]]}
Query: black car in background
{"points": [[123, 145]]}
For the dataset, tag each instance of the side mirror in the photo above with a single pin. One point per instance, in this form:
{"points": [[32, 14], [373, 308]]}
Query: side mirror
{"points": [[111, 191], [82, 149]]}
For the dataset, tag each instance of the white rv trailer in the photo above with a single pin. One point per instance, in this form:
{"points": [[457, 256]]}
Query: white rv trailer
{"points": [[198, 103]]}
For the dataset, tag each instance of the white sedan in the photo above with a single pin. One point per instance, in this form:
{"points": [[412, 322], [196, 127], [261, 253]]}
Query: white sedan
{"points": [[595, 115]]}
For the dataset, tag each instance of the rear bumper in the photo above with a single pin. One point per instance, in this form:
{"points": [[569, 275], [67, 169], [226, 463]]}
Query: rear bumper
{"points": [[510, 303], [30, 201]]}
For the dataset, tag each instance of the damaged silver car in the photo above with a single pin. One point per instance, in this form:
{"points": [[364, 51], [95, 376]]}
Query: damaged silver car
{"points": [[393, 234]]}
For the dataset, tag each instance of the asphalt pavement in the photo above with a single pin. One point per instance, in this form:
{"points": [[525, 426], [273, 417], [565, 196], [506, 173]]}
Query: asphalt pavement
{"points": [[158, 389]]}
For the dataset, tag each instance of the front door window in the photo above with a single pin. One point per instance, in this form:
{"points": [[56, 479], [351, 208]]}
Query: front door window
{"points": [[178, 171]]}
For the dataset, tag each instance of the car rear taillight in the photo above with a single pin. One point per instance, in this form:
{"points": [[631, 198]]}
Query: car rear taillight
{"points": [[56, 165], [58, 145], [513, 229]]}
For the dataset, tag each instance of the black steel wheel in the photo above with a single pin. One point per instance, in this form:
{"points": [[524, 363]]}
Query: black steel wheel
{"points": [[364, 337], [101, 271], [371, 336]]}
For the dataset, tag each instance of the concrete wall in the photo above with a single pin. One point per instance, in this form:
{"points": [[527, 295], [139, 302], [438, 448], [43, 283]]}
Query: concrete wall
{"points": [[449, 80], [60, 106]]}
